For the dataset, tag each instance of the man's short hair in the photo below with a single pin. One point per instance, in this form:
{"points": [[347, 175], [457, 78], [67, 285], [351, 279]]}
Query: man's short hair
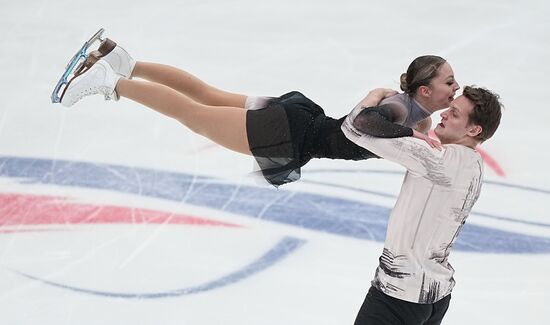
{"points": [[486, 112]]}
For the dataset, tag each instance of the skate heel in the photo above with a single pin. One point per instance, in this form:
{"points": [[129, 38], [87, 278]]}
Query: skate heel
{"points": [[92, 58], [106, 47]]}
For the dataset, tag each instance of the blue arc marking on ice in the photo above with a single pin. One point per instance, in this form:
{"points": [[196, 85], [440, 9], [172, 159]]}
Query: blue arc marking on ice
{"points": [[282, 249], [317, 212]]}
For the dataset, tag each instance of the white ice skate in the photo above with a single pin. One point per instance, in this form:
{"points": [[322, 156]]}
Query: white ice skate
{"points": [[121, 62], [99, 79]]}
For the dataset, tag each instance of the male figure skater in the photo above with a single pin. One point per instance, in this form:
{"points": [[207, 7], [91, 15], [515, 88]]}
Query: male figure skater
{"points": [[414, 280]]}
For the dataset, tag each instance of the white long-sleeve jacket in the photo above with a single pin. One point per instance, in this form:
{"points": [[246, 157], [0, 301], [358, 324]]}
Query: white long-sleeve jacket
{"points": [[438, 192]]}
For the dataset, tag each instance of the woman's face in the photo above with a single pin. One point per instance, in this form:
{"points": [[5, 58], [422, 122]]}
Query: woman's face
{"points": [[442, 88]]}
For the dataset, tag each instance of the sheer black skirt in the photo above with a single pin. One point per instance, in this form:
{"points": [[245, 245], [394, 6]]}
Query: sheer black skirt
{"points": [[290, 131]]}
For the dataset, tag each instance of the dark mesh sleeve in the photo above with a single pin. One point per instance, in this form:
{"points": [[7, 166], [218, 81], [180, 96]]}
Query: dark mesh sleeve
{"points": [[378, 122]]}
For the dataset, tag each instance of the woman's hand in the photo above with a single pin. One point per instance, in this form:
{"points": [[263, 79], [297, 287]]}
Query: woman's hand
{"points": [[375, 96], [382, 92], [432, 142]]}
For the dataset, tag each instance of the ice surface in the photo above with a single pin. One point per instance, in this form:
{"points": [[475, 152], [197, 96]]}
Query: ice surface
{"points": [[113, 214]]}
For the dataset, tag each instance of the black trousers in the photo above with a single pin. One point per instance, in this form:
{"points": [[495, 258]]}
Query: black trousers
{"points": [[381, 309]]}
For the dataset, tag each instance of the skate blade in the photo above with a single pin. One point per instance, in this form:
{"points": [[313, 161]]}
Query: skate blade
{"points": [[76, 62]]}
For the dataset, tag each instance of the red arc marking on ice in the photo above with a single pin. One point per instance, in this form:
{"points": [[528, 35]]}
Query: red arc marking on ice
{"points": [[18, 210], [490, 161]]}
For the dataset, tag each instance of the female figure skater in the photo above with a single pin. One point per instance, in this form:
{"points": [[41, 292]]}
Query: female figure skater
{"points": [[282, 133]]}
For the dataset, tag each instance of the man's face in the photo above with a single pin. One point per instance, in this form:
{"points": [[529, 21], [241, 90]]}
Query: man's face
{"points": [[455, 126]]}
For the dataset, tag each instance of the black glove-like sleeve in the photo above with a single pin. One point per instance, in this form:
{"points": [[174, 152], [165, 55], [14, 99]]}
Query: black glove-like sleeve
{"points": [[378, 122]]}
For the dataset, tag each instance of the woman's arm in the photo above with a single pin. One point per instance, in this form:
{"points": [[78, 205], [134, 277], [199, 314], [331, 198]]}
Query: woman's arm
{"points": [[375, 96], [380, 121]]}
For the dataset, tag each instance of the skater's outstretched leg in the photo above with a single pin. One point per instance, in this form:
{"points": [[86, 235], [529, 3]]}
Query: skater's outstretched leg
{"points": [[187, 84], [225, 125], [180, 80]]}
